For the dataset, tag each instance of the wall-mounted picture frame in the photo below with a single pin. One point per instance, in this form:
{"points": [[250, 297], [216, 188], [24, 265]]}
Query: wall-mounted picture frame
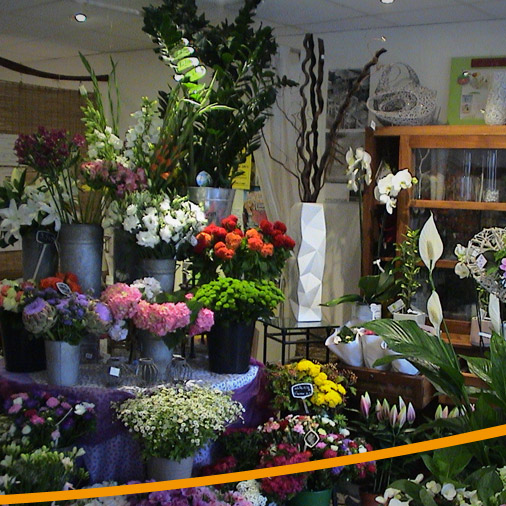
{"points": [[470, 78]]}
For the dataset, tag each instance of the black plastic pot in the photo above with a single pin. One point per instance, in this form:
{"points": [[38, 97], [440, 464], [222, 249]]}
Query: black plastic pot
{"points": [[22, 351], [229, 347]]}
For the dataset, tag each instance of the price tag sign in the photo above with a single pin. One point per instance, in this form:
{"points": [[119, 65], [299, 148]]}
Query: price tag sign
{"points": [[89, 356], [302, 390], [45, 237], [63, 288], [114, 371], [311, 439], [396, 306], [481, 261]]}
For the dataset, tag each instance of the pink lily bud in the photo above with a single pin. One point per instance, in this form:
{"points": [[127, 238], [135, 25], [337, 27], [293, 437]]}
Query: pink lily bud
{"points": [[411, 413], [439, 412], [401, 403], [393, 416], [454, 413], [379, 411], [401, 419], [444, 414], [365, 404]]}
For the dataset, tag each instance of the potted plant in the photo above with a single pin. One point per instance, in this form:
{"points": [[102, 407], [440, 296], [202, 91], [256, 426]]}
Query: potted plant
{"points": [[407, 269], [237, 304], [162, 320], [21, 351], [172, 423], [253, 254], [345, 343], [60, 314], [26, 209], [238, 55]]}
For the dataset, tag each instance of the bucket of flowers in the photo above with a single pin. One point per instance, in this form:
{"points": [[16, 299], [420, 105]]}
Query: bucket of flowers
{"points": [[59, 313], [174, 422]]}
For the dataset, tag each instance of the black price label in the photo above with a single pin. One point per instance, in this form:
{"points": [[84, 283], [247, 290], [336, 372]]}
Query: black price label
{"points": [[302, 390], [45, 237], [63, 288]]}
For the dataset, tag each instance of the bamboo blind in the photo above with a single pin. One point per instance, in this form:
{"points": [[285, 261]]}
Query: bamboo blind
{"points": [[25, 107]]}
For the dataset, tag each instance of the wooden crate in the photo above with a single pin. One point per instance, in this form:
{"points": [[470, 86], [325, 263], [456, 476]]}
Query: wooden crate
{"points": [[385, 384]]}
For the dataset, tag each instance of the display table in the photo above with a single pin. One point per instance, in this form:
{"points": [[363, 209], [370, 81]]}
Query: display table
{"points": [[284, 329], [112, 454]]}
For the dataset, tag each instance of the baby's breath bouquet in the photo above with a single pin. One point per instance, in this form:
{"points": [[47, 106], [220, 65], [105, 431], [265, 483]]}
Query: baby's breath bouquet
{"points": [[174, 422]]}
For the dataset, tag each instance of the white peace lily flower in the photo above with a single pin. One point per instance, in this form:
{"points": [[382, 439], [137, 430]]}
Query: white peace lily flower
{"points": [[448, 491], [461, 270], [435, 311], [494, 311], [430, 244]]}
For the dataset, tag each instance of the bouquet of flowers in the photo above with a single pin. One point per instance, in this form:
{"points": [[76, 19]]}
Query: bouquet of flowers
{"points": [[174, 422], [255, 254], [59, 312], [13, 294], [170, 316], [329, 392], [164, 227], [239, 300], [25, 206], [40, 418], [39, 470]]}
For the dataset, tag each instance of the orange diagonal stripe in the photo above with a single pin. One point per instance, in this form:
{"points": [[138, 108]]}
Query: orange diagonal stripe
{"points": [[397, 451]]}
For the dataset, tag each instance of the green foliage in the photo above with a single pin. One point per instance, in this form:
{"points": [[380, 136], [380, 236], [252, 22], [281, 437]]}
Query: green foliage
{"points": [[407, 266], [238, 300], [239, 55]]}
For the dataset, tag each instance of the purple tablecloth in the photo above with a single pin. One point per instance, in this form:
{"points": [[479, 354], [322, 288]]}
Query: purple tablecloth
{"points": [[112, 454]]}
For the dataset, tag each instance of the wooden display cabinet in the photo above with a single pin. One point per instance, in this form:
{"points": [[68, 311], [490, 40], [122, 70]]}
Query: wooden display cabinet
{"points": [[461, 173]]}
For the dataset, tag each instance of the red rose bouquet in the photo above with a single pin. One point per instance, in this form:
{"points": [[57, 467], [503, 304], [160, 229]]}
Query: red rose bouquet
{"points": [[253, 254]]}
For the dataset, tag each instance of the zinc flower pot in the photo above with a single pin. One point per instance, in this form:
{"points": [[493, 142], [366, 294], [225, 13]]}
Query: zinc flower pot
{"points": [[309, 498], [160, 469], [217, 202], [62, 363], [22, 351], [162, 269], [154, 347], [81, 253], [229, 347], [39, 255]]}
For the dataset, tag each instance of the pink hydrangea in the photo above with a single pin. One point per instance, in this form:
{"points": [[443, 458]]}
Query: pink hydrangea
{"points": [[122, 300], [203, 322]]}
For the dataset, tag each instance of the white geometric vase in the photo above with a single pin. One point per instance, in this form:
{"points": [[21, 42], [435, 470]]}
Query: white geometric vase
{"points": [[306, 300]]}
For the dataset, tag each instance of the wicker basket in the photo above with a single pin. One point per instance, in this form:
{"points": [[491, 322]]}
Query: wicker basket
{"points": [[400, 99]]}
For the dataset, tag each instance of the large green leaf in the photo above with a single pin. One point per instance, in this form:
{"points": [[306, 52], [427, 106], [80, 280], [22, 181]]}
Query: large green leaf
{"points": [[344, 298]]}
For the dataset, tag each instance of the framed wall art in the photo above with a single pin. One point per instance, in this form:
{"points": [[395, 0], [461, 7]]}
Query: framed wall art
{"points": [[470, 78]]}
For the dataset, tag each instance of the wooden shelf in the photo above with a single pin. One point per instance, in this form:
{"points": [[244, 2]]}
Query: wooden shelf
{"points": [[485, 130], [442, 264], [458, 204]]}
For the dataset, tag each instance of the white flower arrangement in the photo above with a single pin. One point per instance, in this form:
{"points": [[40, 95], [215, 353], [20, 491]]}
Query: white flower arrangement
{"points": [[174, 422], [443, 494], [163, 225], [390, 185], [250, 490]]}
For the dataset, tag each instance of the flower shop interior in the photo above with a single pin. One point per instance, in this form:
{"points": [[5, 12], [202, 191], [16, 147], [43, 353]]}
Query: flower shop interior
{"points": [[242, 234]]}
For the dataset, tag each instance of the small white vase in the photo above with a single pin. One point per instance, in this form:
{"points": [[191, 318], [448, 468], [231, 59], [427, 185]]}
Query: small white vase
{"points": [[62, 363], [495, 108], [160, 469], [349, 353], [374, 348]]}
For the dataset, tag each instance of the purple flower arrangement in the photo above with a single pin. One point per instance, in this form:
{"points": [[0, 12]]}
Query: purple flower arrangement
{"points": [[48, 420], [58, 314]]}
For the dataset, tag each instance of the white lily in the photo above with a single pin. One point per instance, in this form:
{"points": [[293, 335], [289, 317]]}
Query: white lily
{"points": [[430, 244], [435, 311]]}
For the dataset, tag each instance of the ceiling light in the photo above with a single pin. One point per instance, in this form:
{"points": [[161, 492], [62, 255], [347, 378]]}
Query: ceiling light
{"points": [[387, 1], [80, 17]]}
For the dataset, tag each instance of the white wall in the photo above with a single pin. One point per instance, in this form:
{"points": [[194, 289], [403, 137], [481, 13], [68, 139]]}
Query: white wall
{"points": [[428, 49]]}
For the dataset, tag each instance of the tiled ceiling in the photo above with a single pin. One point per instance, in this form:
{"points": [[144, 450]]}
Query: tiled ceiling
{"points": [[36, 31]]}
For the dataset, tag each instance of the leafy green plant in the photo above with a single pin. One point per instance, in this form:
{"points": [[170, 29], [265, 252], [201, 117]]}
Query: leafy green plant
{"points": [[239, 56], [407, 266]]}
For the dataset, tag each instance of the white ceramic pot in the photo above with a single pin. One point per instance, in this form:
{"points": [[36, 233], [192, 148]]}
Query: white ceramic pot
{"points": [[349, 353], [62, 363], [160, 469], [419, 318], [374, 348]]}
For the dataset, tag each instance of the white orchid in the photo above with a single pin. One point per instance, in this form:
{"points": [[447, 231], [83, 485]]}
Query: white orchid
{"points": [[359, 167], [389, 186], [430, 244]]}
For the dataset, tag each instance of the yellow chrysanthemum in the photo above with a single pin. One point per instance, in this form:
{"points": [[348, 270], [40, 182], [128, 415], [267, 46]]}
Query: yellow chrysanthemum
{"points": [[304, 365], [341, 389], [320, 379], [332, 399], [318, 398], [314, 370]]}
